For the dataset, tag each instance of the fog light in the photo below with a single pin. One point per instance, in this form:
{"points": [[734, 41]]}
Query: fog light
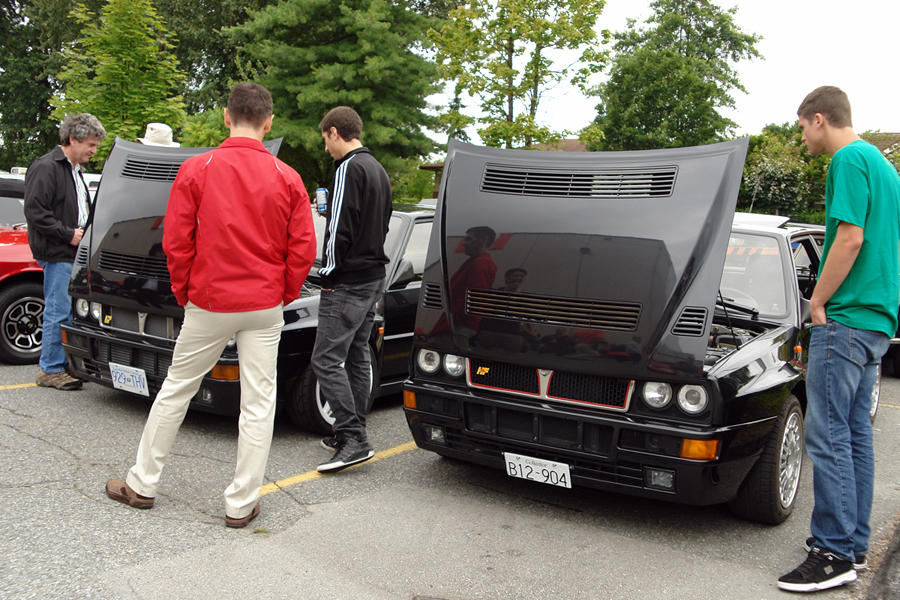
{"points": [[205, 396], [232, 342], [659, 479], [434, 434], [95, 311]]}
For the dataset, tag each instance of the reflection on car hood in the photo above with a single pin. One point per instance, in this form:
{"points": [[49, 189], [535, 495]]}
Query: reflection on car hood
{"points": [[623, 251]]}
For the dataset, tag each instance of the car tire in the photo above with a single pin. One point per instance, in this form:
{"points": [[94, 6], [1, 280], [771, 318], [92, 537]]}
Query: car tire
{"points": [[308, 410], [769, 492], [21, 322]]}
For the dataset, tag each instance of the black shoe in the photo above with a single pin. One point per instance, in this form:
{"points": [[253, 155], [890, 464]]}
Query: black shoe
{"points": [[821, 570], [349, 452], [860, 564], [329, 443]]}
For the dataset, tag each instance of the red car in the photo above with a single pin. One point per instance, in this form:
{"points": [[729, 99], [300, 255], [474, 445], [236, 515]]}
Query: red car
{"points": [[21, 280]]}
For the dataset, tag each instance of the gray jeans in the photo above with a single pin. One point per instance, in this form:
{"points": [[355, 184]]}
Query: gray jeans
{"points": [[340, 357]]}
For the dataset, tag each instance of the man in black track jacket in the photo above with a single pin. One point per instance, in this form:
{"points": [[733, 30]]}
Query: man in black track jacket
{"points": [[352, 275]]}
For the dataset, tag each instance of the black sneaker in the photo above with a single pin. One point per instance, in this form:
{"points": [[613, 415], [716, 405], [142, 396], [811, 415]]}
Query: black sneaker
{"points": [[349, 452], [329, 443], [860, 564], [820, 571]]}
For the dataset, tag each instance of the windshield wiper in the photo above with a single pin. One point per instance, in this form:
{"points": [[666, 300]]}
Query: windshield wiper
{"points": [[724, 302]]}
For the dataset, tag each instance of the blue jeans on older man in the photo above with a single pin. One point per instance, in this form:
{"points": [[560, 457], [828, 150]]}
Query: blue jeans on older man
{"points": [[842, 371], [57, 310]]}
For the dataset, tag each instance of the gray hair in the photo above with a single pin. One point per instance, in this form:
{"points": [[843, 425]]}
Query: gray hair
{"points": [[80, 126]]}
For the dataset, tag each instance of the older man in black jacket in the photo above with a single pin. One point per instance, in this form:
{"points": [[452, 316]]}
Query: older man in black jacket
{"points": [[57, 206]]}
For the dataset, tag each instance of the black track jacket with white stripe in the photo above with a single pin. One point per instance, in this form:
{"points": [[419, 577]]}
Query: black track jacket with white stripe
{"points": [[359, 210]]}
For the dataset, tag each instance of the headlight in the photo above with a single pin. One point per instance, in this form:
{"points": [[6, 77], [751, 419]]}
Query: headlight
{"points": [[428, 360], [692, 399], [232, 342], [95, 311], [454, 365], [657, 395], [82, 307]]}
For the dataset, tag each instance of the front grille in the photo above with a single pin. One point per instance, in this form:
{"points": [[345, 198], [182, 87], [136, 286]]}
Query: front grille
{"points": [[150, 171], [570, 312], [651, 182], [132, 321], [606, 392], [148, 267], [153, 363]]}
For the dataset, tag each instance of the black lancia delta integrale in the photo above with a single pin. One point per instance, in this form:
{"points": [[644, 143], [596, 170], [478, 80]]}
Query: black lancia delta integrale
{"points": [[619, 327], [126, 319]]}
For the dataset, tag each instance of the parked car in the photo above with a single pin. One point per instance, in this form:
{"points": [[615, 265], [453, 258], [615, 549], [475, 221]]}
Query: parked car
{"points": [[126, 319], [21, 279], [655, 345]]}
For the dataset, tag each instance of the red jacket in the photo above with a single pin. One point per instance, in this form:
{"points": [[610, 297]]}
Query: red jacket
{"points": [[238, 234]]}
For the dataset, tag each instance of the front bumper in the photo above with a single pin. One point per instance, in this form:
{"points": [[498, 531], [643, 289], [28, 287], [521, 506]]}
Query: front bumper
{"points": [[614, 453], [91, 349]]}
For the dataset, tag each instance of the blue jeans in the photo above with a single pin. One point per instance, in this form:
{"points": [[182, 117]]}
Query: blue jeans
{"points": [[843, 364], [340, 357], [57, 310]]}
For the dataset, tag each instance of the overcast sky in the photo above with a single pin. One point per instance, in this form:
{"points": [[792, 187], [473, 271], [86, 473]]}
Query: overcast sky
{"points": [[850, 44]]}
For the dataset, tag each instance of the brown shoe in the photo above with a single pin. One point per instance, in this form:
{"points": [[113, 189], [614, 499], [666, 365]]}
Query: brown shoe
{"points": [[73, 373], [120, 491], [232, 522], [59, 381]]}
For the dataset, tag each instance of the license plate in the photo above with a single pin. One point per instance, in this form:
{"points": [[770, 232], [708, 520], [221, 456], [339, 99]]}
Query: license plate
{"points": [[130, 379], [536, 469]]}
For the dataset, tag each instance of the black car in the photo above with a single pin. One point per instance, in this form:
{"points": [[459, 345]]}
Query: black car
{"points": [[126, 319], [653, 343]]}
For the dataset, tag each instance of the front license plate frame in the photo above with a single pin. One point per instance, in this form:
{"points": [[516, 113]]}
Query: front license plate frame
{"points": [[537, 469], [129, 379]]}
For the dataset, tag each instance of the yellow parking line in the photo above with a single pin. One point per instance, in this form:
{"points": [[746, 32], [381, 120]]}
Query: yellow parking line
{"points": [[880, 404], [284, 483], [14, 387]]}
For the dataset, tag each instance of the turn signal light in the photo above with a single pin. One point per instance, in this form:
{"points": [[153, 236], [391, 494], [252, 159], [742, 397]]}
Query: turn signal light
{"points": [[226, 373], [409, 399], [699, 449]]}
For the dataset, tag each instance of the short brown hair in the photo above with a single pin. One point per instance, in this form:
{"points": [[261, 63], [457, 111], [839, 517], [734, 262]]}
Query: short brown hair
{"points": [[345, 120], [829, 101], [249, 104]]}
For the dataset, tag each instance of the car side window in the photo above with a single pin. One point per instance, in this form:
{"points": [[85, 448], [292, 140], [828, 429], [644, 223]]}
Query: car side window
{"points": [[417, 247]]}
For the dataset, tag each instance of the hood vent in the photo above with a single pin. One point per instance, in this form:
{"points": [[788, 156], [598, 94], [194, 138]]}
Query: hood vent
{"points": [[150, 171], [570, 312], [432, 297], [651, 182], [692, 322], [81, 258], [147, 267]]}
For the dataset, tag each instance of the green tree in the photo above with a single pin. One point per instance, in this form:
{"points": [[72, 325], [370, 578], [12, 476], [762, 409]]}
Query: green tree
{"points": [[697, 44], [774, 177], [499, 52], [366, 54], [205, 129], [122, 71]]}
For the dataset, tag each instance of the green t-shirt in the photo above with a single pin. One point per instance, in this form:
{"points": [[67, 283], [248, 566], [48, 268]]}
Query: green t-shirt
{"points": [[863, 189]]}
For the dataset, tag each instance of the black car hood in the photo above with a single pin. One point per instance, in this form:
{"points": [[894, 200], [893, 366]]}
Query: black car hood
{"points": [[623, 253], [123, 262]]}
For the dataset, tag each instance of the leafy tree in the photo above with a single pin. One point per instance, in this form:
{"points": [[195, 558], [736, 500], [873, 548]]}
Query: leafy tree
{"points": [[888, 144], [498, 52], [697, 42], [365, 54], [204, 130], [773, 177], [123, 72]]}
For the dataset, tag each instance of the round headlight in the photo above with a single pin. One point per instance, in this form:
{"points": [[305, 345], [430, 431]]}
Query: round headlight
{"points": [[454, 365], [428, 360], [656, 394], [95, 311], [82, 307], [232, 342], [692, 399]]}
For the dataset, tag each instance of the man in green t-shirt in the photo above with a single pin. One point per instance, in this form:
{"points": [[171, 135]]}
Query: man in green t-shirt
{"points": [[854, 314]]}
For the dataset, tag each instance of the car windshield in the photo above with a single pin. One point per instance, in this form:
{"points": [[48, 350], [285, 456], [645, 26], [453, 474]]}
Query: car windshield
{"points": [[754, 275]]}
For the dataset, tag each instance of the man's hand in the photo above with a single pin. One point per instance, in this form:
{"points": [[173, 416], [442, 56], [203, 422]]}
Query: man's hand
{"points": [[76, 238]]}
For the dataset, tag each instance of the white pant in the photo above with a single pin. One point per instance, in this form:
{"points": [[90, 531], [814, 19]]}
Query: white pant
{"points": [[201, 341]]}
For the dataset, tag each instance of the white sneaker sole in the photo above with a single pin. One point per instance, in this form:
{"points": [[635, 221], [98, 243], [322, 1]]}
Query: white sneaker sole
{"points": [[836, 581], [338, 465]]}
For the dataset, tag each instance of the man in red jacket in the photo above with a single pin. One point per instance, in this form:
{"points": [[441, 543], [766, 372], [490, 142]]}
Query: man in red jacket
{"points": [[239, 242]]}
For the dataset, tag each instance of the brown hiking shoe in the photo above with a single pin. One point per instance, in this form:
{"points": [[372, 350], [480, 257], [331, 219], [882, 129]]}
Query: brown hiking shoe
{"points": [[60, 381]]}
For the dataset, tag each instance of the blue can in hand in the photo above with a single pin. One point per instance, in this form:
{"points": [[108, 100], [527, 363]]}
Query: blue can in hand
{"points": [[321, 200]]}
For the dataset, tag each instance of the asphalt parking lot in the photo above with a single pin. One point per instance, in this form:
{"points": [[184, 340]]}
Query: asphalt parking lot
{"points": [[406, 524]]}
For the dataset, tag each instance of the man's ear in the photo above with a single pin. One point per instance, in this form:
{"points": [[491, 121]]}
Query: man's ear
{"points": [[227, 118], [268, 124]]}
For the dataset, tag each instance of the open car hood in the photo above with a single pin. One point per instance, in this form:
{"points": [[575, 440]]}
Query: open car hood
{"points": [[623, 253], [123, 263]]}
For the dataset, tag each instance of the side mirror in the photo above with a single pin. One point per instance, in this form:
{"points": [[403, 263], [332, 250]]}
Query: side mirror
{"points": [[405, 274]]}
